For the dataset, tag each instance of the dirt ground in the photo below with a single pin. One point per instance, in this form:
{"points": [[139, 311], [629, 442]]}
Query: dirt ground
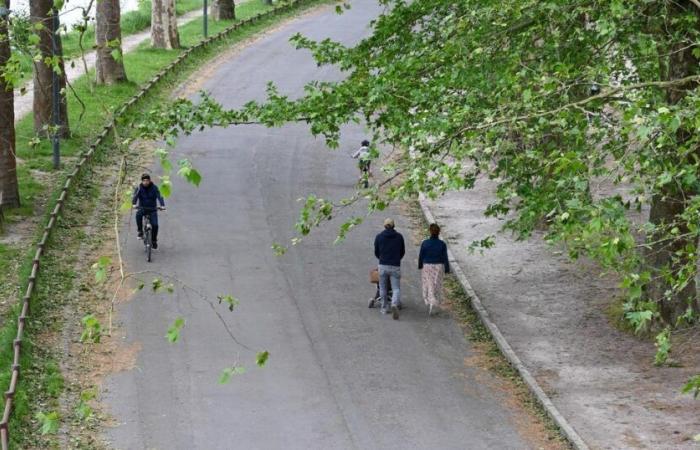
{"points": [[554, 314]]}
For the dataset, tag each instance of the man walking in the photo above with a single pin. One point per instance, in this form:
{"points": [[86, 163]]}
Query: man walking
{"points": [[389, 249]]}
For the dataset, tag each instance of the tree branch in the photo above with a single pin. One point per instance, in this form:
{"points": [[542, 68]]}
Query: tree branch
{"points": [[603, 95]]}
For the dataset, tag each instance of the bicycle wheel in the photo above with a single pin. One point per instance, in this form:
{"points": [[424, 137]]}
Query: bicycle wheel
{"points": [[148, 243]]}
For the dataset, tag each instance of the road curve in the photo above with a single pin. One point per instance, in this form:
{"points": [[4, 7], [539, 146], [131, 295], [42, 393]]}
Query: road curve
{"points": [[340, 376]]}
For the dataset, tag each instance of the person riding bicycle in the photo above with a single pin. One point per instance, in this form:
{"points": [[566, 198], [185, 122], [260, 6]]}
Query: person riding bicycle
{"points": [[147, 196], [363, 154]]}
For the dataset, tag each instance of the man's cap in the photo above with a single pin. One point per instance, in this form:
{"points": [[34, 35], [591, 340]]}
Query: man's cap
{"points": [[389, 222], [145, 176]]}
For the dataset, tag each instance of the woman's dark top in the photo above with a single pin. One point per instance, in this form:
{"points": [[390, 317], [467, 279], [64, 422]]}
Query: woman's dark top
{"points": [[433, 251]]}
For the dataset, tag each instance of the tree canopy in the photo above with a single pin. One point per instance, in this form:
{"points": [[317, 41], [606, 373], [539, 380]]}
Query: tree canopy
{"points": [[549, 99]]}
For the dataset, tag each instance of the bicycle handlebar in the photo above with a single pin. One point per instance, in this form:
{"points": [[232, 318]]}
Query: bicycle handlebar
{"points": [[158, 208]]}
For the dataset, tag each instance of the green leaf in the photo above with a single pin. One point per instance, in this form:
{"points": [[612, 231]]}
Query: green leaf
{"points": [[231, 301], [116, 54], [639, 319], [279, 249], [693, 385], [261, 358], [229, 372], [189, 173], [49, 422], [173, 334], [92, 329], [100, 268]]}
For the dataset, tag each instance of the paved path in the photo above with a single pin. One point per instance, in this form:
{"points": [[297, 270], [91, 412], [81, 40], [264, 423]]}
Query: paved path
{"points": [[340, 376], [75, 68]]}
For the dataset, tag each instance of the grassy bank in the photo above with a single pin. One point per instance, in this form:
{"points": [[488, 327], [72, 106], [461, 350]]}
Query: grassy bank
{"points": [[39, 389], [132, 22]]}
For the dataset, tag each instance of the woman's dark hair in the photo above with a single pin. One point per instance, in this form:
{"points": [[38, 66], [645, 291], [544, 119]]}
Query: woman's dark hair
{"points": [[434, 230], [365, 143], [145, 176]]}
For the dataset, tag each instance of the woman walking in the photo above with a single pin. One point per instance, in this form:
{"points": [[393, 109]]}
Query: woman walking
{"points": [[433, 263]]}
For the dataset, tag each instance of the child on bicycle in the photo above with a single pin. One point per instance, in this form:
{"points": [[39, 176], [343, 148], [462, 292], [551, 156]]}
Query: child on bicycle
{"points": [[147, 196], [363, 154]]}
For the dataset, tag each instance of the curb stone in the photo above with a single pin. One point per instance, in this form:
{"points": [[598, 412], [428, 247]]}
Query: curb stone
{"points": [[566, 429]]}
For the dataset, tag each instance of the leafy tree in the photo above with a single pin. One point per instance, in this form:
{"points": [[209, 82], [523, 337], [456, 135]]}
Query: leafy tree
{"points": [[548, 99], [8, 163]]}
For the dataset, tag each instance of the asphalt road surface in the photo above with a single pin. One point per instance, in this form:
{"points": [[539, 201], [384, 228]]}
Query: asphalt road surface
{"points": [[340, 375]]}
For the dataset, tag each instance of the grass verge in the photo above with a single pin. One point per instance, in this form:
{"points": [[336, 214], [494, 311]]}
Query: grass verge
{"points": [[40, 385]]}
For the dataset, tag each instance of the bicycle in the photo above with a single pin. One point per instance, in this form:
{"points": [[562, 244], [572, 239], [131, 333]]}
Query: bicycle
{"points": [[148, 230], [364, 173]]}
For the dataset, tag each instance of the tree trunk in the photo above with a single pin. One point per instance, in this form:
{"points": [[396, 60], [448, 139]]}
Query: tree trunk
{"points": [[661, 259], [223, 10], [164, 25], [8, 163], [108, 36], [41, 13], [667, 205]]}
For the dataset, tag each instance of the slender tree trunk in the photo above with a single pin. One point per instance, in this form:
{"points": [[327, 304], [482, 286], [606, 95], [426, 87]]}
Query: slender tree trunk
{"points": [[41, 13], [108, 36], [8, 163], [667, 205], [223, 10], [164, 25]]}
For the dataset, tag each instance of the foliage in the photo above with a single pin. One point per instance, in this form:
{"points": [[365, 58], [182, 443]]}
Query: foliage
{"points": [[231, 301], [100, 268], [84, 411], [581, 114], [229, 372], [693, 385], [49, 422], [92, 329], [261, 358], [174, 330]]}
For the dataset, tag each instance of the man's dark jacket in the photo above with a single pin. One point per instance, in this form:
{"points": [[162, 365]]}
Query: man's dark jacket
{"points": [[147, 197], [389, 247]]}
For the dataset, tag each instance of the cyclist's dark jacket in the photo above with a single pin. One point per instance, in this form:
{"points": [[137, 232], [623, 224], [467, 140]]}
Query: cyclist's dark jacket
{"points": [[147, 196], [389, 247]]}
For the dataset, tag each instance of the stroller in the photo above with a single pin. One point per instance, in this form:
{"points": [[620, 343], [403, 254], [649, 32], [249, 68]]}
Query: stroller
{"points": [[377, 299]]}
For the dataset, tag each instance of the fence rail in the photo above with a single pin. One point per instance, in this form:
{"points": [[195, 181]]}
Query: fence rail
{"points": [[83, 160]]}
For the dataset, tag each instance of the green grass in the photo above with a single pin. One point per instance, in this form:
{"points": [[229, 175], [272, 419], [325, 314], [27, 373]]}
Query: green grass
{"points": [[140, 65], [41, 382], [132, 22]]}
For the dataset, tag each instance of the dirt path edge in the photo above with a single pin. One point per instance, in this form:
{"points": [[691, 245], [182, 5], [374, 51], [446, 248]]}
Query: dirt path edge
{"points": [[567, 430]]}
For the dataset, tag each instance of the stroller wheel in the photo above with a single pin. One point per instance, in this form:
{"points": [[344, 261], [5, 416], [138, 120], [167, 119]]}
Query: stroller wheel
{"points": [[370, 304]]}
